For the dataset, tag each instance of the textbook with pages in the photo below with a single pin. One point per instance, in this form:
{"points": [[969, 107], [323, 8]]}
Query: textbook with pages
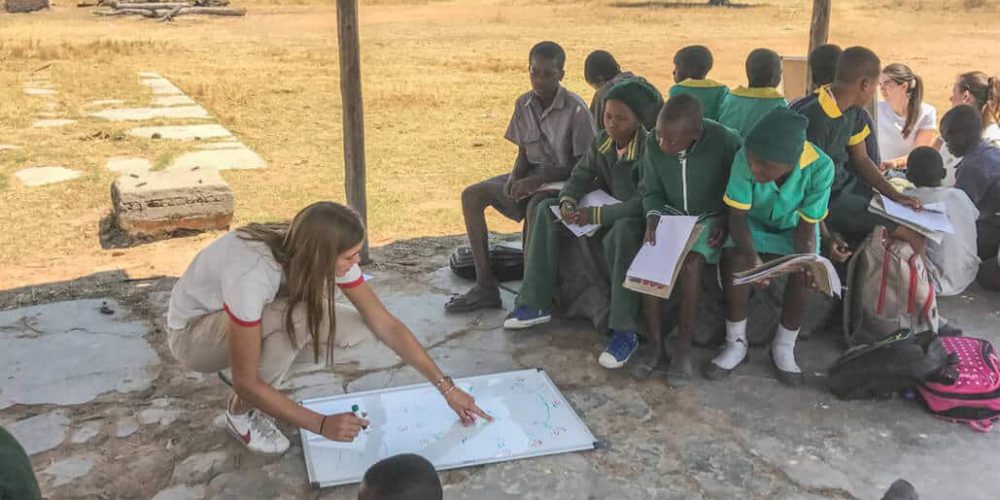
{"points": [[931, 222], [822, 270], [654, 269], [597, 198]]}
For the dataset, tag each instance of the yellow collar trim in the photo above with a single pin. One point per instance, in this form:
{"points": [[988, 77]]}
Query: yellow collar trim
{"points": [[828, 102], [757, 92], [631, 151], [606, 145], [701, 84], [809, 155]]}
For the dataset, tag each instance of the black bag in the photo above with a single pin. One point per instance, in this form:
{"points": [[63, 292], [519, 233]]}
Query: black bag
{"points": [[880, 369], [507, 263]]}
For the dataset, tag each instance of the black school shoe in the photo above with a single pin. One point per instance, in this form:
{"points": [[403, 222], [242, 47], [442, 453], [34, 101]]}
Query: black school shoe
{"points": [[790, 379], [714, 372]]}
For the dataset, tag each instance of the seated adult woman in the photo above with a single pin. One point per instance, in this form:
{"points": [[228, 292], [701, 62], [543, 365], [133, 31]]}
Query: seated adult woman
{"points": [[981, 91], [905, 122], [257, 296]]}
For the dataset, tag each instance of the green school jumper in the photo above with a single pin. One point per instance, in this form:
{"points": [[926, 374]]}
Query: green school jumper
{"points": [[744, 107], [693, 182], [17, 481], [709, 92], [834, 132], [774, 212], [600, 168]]}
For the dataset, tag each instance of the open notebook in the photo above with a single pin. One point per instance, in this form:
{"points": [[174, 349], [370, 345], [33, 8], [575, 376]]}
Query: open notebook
{"points": [[654, 269], [822, 270]]}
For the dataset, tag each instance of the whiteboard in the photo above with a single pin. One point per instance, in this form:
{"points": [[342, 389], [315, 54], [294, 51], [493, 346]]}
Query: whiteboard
{"points": [[532, 418]]}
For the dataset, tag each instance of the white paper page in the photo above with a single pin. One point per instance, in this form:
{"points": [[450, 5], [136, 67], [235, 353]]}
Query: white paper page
{"points": [[657, 263], [598, 198], [552, 186], [933, 216]]}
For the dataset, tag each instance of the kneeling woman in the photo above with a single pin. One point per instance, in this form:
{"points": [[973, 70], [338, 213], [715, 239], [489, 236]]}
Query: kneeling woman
{"points": [[257, 296]]}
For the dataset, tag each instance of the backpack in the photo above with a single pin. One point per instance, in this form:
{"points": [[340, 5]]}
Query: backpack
{"points": [[888, 289], [880, 369], [506, 262], [967, 389]]}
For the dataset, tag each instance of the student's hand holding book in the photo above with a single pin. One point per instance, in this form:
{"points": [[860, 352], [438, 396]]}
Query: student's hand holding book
{"points": [[523, 188], [568, 211], [652, 222], [910, 201]]}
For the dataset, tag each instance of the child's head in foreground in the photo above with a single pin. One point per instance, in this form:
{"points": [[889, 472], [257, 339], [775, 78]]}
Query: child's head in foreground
{"points": [[401, 477]]}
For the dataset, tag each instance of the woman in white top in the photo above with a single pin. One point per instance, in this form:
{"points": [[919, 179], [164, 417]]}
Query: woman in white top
{"points": [[981, 91], [905, 122], [256, 297]]}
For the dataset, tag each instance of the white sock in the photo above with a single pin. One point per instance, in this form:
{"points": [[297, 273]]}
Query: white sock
{"points": [[736, 345], [783, 349]]}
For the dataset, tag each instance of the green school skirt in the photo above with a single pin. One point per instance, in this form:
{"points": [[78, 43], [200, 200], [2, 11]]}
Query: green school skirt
{"points": [[768, 240]]}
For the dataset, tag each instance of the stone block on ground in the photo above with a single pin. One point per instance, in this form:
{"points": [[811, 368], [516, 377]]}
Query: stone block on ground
{"points": [[159, 203]]}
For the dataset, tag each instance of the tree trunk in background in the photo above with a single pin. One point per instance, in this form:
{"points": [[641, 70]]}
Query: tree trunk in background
{"points": [[819, 30], [354, 120]]}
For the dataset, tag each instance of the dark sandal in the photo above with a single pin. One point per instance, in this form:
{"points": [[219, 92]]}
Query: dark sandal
{"points": [[474, 299]]}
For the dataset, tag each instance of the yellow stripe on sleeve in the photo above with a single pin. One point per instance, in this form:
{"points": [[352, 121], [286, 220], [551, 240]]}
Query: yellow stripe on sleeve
{"points": [[735, 204], [811, 220], [859, 137]]}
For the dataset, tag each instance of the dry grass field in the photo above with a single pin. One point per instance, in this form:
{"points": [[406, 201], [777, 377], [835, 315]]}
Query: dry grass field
{"points": [[439, 81]]}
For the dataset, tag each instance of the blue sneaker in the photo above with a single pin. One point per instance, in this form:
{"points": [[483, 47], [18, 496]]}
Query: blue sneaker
{"points": [[526, 317], [620, 348]]}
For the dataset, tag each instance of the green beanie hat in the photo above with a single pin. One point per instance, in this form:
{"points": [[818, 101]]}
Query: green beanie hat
{"points": [[779, 136], [635, 94]]}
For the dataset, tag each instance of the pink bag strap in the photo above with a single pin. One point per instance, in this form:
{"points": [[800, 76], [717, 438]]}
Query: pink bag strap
{"points": [[981, 425]]}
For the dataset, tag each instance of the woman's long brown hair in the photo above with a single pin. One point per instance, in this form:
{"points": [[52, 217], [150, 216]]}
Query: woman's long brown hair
{"points": [[985, 90], [307, 250], [903, 75]]}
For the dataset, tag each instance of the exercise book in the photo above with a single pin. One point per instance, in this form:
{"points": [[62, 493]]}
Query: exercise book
{"points": [[531, 419], [596, 198], [655, 268]]}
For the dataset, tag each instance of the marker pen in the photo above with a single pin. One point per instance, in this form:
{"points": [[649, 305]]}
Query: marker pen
{"points": [[357, 413]]}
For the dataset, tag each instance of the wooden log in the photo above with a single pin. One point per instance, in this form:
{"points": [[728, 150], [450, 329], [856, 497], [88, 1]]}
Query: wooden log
{"points": [[819, 29], [169, 16], [150, 6], [353, 112], [212, 11], [125, 12]]}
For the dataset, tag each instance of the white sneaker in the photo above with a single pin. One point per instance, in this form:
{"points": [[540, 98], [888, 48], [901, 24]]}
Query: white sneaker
{"points": [[257, 432]]}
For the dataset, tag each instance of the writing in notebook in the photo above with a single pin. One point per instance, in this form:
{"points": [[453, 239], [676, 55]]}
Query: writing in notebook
{"points": [[597, 198], [654, 269]]}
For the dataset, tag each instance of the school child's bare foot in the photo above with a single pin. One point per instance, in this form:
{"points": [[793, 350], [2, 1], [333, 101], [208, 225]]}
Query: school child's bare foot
{"points": [[648, 366], [476, 298], [681, 368]]}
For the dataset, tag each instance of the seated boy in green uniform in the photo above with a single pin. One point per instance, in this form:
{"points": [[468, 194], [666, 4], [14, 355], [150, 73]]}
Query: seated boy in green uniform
{"points": [[836, 125], [744, 106], [684, 172], [611, 164], [691, 67], [777, 194], [602, 72]]}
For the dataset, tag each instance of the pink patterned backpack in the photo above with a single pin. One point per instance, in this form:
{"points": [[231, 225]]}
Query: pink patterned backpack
{"points": [[966, 390]]}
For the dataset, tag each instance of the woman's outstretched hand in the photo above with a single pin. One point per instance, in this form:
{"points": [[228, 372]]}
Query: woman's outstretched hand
{"points": [[465, 406]]}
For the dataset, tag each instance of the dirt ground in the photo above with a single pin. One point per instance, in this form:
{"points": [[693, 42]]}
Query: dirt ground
{"points": [[439, 80]]}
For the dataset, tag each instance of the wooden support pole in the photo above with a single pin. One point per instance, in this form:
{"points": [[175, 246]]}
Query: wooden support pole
{"points": [[819, 30], [354, 120]]}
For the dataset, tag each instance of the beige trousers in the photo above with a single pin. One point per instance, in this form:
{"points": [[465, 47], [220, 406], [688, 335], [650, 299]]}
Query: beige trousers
{"points": [[203, 345]]}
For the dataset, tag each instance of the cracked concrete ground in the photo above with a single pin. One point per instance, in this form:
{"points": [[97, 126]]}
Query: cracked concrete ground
{"points": [[107, 413]]}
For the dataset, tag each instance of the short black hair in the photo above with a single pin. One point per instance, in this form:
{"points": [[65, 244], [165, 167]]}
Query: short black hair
{"points": [[823, 63], [964, 120], [763, 68], [600, 64], [548, 50], [681, 107], [401, 477], [924, 167], [856, 63], [695, 61]]}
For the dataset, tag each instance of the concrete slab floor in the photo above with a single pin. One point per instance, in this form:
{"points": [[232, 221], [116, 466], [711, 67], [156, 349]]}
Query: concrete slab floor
{"points": [[744, 437], [40, 176]]}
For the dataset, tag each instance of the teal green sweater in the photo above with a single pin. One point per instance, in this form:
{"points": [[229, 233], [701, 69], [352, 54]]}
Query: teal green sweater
{"points": [[709, 92], [601, 168]]}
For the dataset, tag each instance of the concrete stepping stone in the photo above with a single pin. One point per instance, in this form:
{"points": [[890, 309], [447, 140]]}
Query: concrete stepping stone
{"points": [[66, 471], [149, 74], [41, 432], [221, 145], [143, 114], [52, 122], [104, 102], [173, 100], [39, 92], [219, 159], [40, 176], [162, 86], [129, 165], [182, 132], [86, 433], [181, 492], [126, 427], [97, 353]]}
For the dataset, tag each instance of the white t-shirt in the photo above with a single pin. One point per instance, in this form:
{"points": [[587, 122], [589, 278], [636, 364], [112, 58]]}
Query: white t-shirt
{"points": [[891, 143], [234, 275], [991, 134], [955, 259]]}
